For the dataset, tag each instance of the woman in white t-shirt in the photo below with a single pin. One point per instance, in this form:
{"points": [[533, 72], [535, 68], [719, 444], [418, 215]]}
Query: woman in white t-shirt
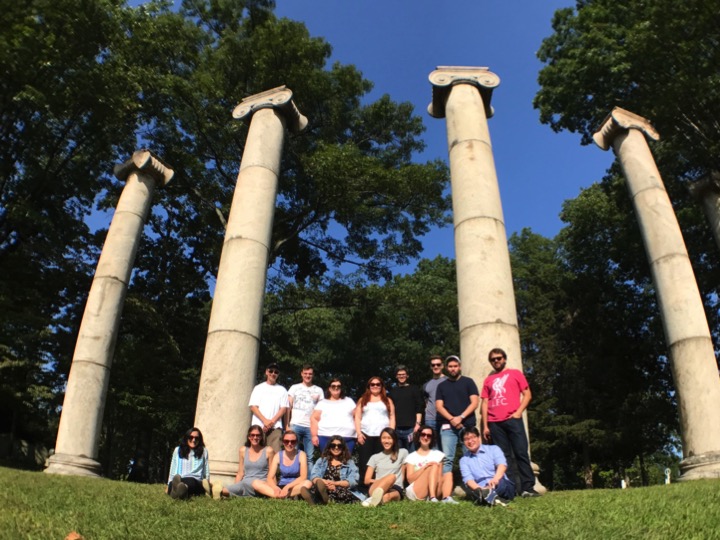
{"points": [[333, 416], [374, 412], [423, 471]]}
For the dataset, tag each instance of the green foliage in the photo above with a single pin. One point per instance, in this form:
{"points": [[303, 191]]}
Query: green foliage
{"points": [[45, 506]]}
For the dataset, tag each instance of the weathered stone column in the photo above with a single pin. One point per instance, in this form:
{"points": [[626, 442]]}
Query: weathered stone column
{"points": [[78, 437], [486, 297], [707, 192], [233, 342], [686, 329]]}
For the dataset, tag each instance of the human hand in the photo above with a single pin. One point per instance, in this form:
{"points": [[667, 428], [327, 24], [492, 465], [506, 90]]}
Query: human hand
{"points": [[486, 433], [361, 438]]}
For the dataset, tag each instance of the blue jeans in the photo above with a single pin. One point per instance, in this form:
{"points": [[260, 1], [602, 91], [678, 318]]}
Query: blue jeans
{"points": [[403, 439], [449, 439], [305, 440], [510, 436]]}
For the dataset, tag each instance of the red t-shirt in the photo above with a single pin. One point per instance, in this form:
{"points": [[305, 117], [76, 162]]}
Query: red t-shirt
{"points": [[502, 390]]}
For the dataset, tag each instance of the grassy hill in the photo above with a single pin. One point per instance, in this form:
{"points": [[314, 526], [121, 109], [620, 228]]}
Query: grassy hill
{"points": [[39, 506]]}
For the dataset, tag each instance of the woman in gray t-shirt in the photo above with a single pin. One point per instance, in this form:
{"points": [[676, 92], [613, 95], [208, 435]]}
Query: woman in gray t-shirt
{"points": [[384, 473]]}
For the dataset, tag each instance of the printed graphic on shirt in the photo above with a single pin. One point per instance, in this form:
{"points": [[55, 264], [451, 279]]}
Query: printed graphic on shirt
{"points": [[498, 386]]}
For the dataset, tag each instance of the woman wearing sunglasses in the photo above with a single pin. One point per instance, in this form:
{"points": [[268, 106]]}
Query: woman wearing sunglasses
{"points": [[374, 412], [291, 464], [333, 416], [333, 476], [253, 467], [424, 470], [189, 468], [384, 473]]}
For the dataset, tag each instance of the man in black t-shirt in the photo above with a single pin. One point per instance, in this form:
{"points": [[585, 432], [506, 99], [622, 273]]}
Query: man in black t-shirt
{"points": [[409, 405], [456, 400]]}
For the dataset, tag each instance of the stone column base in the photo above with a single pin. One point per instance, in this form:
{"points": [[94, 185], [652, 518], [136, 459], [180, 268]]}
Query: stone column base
{"points": [[73, 466], [223, 471], [542, 490], [703, 466]]}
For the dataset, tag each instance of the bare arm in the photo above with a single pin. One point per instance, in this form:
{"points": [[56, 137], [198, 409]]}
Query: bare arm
{"points": [[272, 471], [526, 397], [358, 418], [241, 465], [484, 415], [286, 421], [314, 427], [391, 413]]}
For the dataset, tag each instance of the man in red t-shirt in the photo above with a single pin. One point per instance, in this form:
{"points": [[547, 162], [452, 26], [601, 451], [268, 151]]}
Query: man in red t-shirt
{"points": [[505, 395]]}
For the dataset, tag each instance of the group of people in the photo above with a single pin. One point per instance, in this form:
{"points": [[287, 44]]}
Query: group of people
{"points": [[399, 454]]}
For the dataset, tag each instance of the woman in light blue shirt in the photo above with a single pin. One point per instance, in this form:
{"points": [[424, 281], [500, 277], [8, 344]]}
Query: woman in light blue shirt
{"points": [[189, 468]]}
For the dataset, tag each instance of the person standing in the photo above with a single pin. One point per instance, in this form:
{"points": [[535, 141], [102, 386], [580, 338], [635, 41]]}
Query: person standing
{"points": [[268, 404], [302, 398], [373, 413], [430, 390], [505, 395], [408, 402], [456, 401]]}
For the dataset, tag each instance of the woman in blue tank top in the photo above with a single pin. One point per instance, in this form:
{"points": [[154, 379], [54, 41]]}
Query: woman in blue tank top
{"points": [[290, 464]]}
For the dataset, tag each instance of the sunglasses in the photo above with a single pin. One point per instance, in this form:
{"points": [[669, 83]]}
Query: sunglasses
{"points": [[290, 441], [426, 435], [335, 386], [336, 446], [436, 365], [254, 436], [373, 384], [274, 371], [193, 438], [497, 358]]}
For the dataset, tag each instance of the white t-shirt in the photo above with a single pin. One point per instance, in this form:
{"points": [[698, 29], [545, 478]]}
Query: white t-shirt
{"points": [[336, 417], [417, 461], [304, 400], [269, 398], [375, 418]]}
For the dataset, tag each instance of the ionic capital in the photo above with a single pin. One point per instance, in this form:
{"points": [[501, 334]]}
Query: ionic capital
{"points": [[147, 162], [279, 98], [710, 184], [445, 77], [621, 120]]}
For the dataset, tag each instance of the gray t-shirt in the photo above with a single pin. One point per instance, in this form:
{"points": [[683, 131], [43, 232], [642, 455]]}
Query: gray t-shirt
{"points": [[429, 390], [383, 465]]}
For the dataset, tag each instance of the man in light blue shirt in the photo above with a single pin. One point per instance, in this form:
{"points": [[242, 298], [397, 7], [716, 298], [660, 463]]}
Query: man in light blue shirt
{"points": [[483, 471]]}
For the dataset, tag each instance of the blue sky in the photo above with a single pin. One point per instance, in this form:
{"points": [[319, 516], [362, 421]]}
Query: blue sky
{"points": [[397, 43]]}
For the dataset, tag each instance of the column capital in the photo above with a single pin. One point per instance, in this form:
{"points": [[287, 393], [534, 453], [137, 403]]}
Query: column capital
{"points": [[147, 162], [621, 120], [445, 77], [277, 98], [709, 184]]}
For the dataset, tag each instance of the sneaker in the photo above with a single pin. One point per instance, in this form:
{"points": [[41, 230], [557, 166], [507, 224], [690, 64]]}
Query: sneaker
{"points": [[449, 500], [322, 491], [376, 497], [176, 480], [499, 501], [491, 497], [216, 490], [181, 491], [434, 500], [529, 493], [207, 487], [307, 496], [479, 495]]}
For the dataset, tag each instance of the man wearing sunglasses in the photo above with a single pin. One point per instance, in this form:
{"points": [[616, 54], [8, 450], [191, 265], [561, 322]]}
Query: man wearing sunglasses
{"points": [[268, 404], [505, 395], [430, 390]]}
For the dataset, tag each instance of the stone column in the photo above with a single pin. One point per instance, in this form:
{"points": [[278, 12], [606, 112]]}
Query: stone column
{"points": [[486, 297], [687, 334], [707, 192], [78, 437], [233, 342]]}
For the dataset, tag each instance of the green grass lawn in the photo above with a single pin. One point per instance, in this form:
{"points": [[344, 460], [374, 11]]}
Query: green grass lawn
{"points": [[39, 506]]}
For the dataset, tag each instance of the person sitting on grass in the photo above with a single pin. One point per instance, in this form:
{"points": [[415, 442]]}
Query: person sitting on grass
{"points": [[189, 467], [333, 475], [483, 471], [384, 473], [253, 467], [424, 470], [292, 465]]}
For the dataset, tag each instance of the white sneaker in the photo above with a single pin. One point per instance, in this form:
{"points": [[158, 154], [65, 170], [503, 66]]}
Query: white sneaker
{"points": [[376, 497], [449, 500], [434, 500]]}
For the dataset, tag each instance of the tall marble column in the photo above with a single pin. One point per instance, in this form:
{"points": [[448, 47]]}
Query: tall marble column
{"points": [[707, 192], [233, 342], [486, 296], [78, 436], [692, 355]]}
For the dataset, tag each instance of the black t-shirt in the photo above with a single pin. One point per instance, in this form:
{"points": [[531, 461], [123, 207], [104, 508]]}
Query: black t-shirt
{"points": [[455, 396], [408, 402]]}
